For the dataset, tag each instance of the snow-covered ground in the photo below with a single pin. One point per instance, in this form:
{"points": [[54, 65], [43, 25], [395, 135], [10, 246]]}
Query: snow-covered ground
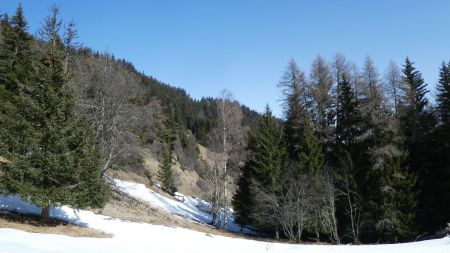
{"points": [[187, 207], [142, 237]]}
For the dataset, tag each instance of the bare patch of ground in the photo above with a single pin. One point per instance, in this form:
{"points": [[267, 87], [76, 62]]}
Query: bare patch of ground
{"points": [[48, 226], [129, 176]]}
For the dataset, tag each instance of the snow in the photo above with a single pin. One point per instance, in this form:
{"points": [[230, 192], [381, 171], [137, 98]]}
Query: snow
{"points": [[187, 207], [142, 237]]}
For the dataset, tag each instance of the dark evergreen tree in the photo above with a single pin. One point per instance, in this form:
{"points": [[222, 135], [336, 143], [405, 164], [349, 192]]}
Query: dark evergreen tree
{"points": [[16, 81], [165, 172], [416, 120], [61, 167], [265, 161], [347, 157], [435, 201], [418, 123], [390, 199], [311, 158], [348, 119], [243, 199], [443, 95]]}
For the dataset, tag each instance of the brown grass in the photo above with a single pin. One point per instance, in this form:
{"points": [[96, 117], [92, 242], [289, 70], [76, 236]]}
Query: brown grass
{"points": [[49, 226]]}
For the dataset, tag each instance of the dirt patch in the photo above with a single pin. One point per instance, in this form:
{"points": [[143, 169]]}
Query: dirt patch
{"points": [[34, 224], [129, 176], [124, 207]]}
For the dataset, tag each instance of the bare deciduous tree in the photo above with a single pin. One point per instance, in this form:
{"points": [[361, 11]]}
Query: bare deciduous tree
{"points": [[227, 139], [105, 91], [328, 217], [291, 205], [352, 203]]}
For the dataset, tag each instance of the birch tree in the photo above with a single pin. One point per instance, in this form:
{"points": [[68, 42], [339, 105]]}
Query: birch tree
{"points": [[227, 138]]}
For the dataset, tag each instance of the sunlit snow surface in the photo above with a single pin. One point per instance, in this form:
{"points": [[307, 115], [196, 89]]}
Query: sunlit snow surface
{"points": [[188, 207], [142, 237]]}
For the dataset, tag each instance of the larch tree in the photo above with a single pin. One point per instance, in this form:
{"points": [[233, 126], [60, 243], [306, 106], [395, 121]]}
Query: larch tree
{"points": [[296, 103], [394, 86], [322, 91]]}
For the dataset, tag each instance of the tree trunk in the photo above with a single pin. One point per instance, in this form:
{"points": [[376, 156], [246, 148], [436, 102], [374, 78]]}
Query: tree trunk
{"points": [[299, 232], [45, 213], [225, 187]]}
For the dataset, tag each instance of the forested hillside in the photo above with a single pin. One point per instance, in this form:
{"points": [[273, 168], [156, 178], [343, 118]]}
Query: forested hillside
{"points": [[359, 157], [123, 114]]}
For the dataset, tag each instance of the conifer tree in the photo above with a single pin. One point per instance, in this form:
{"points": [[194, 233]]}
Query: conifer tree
{"points": [[418, 124], [243, 200], [383, 160], [311, 157], [347, 157], [415, 118], [296, 104], [165, 172], [390, 199], [16, 81], [322, 91], [265, 161], [348, 119], [433, 210], [443, 95], [61, 167]]}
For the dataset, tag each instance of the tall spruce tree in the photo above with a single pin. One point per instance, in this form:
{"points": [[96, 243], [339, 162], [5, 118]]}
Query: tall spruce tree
{"points": [[165, 173], [443, 95], [265, 161], [348, 119], [243, 200], [61, 167], [311, 158], [416, 120], [347, 132], [417, 123], [434, 210], [16, 83]]}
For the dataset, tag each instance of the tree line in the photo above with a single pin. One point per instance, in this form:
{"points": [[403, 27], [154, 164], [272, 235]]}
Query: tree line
{"points": [[358, 157]]}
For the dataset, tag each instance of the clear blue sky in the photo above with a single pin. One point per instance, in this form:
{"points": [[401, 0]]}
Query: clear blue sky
{"points": [[205, 46]]}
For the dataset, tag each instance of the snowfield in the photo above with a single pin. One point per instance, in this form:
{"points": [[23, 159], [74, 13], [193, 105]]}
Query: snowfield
{"points": [[142, 237]]}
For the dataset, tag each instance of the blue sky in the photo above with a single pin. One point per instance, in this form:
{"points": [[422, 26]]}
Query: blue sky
{"points": [[244, 46]]}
